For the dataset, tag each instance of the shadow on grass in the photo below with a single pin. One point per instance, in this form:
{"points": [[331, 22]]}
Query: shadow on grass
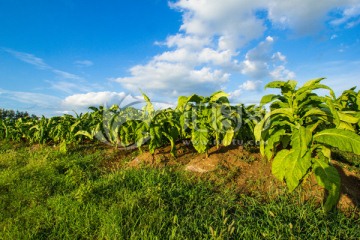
{"points": [[350, 186]]}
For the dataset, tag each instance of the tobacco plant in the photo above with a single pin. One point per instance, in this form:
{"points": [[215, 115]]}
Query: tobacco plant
{"points": [[204, 119], [299, 131]]}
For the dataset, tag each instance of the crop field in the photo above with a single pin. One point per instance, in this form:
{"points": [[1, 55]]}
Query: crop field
{"points": [[288, 168]]}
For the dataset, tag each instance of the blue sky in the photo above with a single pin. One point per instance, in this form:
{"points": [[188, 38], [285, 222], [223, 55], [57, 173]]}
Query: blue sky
{"points": [[60, 56]]}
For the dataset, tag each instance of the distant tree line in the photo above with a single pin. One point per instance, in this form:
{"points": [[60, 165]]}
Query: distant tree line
{"points": [[11, 114]]}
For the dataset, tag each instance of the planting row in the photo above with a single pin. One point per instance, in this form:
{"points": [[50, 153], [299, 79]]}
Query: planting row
{"points": [[297, 131]]}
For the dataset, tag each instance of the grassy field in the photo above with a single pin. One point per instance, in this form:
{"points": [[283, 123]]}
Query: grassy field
{"points": [[45, 194]]}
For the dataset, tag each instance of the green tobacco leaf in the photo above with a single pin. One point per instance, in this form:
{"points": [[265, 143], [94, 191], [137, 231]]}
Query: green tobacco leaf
{"points": [[333, 112], [296, 168], [267, 98], [149, 108], [63, 147], [292, 84], [301, 139], [172, 137], [346, 126], [286, 112], [343, 139], [313, 85], [141, 134], [315, 112], [219, 95], [228, 137], [348, 118], [274, 138], [312, 82], [328, 177], [275, 84], [311, 100], [195, 98], [278, 165], [278, 104], [182, 101], [155, 138], [200, 138], [258, 129], [84, 133]]}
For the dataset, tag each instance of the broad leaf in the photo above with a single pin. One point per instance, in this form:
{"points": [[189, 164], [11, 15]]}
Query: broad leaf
{"points": [[220, 95], [328, 177], [275, 137], [200, 138], [155, 138], [275, 84], [84, 133], [182, 101], [347, 117], [312, 82], [296, 168], [267, 98], [228, 137], [343, 139], [278, 164], [258, 129], [301, 139]]}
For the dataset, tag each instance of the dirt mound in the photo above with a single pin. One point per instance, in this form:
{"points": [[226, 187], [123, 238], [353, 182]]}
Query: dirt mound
{"points": [[245, 169]]}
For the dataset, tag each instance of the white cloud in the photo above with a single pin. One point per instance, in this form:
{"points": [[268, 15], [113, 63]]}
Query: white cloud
{"points": [[205, 52], [281, 73], [307, 16], [251, 85], [66, 75], [71, 87], [28, 58], [36, 103], [39, 63], [168, 78], [279, 56], [81, 102], [187, 41], [93, 99], [179, 55], [220, 58], [247, 86], [261, 63], [84, 63], [349, 16], [234, 20]]}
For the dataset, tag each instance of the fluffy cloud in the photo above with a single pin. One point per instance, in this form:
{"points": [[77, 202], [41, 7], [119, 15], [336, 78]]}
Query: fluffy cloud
{"points": [[307, 16], [261, 63], [94, 99], [281, 73], [172, 78], [234, 21], [207, 50], [248, 86]]}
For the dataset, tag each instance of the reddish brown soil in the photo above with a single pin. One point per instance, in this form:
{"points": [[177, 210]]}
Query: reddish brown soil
{"points": [[245, 170]]}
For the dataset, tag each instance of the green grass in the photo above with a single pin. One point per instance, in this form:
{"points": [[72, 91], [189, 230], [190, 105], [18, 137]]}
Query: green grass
{"points": [[45, 194]]}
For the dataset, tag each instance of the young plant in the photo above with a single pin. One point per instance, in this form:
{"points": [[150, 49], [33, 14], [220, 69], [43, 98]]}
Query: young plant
{"points": [[348, 107], [204, 119]]}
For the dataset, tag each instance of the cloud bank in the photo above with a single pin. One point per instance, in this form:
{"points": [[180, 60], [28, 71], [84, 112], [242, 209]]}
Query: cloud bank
{"points": [[210, 46]]}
